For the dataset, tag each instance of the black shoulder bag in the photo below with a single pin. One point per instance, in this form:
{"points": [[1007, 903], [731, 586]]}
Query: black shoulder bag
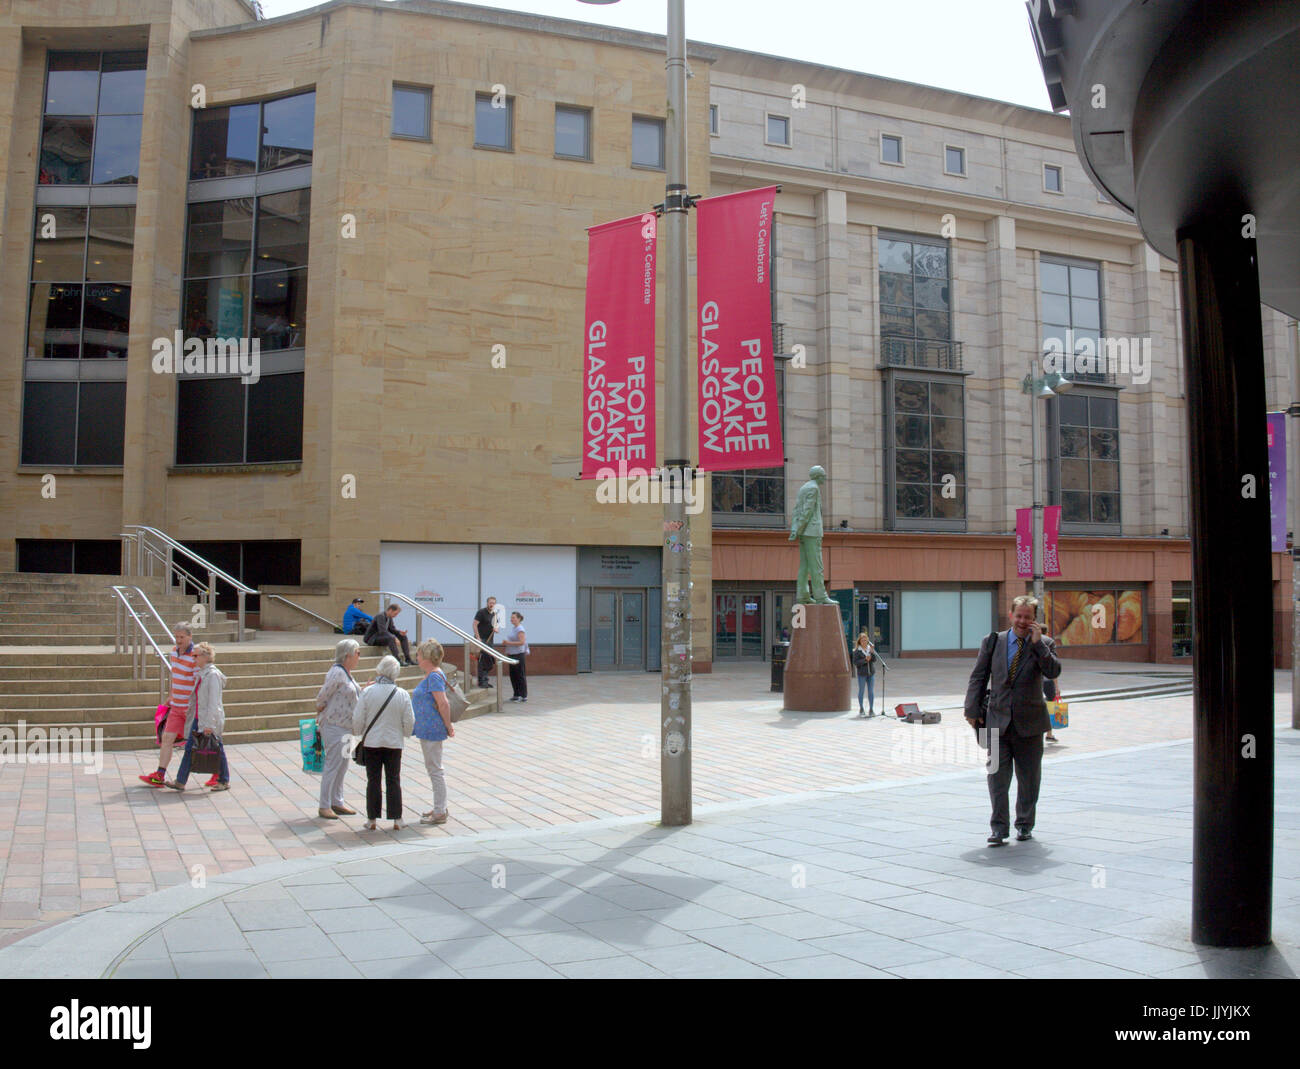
{"points": [[988, 685], [359, 751]]}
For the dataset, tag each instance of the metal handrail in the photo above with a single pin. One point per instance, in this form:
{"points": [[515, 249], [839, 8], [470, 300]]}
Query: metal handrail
{"points": [[465, 636], [280, 597], [214, 573], [136, 647]]}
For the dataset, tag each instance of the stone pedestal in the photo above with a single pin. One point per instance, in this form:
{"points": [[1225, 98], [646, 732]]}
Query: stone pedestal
{"points": [[818, 678]]}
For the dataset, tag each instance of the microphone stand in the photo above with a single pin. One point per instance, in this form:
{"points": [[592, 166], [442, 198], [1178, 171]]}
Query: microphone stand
{"points": [[885, 668]]}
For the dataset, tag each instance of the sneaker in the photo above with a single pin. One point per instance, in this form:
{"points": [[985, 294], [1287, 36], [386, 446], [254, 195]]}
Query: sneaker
{"points": [[174, 785], [369, 825], [212, 781], [433, 818], [154, 779], [221, 786], [523, 699]]}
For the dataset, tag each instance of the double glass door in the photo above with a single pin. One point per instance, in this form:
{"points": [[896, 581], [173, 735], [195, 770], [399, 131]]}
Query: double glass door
{"points": [[876, 618], [618, 630], [738, 626]]}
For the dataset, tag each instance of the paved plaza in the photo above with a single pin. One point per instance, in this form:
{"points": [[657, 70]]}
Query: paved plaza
{"points": [[577, 770]]}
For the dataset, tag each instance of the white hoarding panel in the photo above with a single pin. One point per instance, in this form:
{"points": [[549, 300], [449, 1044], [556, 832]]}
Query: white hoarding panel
{"points": [[444, 578], [539, 581]]}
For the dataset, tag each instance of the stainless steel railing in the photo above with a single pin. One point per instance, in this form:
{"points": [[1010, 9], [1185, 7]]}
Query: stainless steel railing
{"points": [[294, 605], [132, 633]]}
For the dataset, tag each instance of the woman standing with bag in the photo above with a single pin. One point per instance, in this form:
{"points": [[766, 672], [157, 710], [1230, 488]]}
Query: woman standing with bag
{"points": [[335, 703], [433, 724], [381, 724], [207, 716], [864, 663]]}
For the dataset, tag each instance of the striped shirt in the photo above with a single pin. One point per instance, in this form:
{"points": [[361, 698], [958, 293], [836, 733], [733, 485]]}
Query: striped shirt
{"points": [[182, 677]]}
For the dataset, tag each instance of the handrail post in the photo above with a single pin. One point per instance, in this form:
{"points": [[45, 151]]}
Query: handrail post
{"points": [[211, 598], [167, 572], [499, 684], [239, 627]]}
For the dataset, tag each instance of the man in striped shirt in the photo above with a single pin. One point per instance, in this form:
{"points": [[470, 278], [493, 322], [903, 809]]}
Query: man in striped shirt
{"points": [[181, 659]]}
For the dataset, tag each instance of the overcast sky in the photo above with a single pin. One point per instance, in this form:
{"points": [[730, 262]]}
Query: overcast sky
{"points": [[982, 47]]}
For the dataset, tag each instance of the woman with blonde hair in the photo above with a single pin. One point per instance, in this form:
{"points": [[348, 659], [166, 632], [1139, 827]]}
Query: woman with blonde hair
{"points": [[336, 701], [864, 664], [433, 724], [207, 716]]}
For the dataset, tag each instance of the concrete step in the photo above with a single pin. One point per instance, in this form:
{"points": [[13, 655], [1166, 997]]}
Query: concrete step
{"points": [[15, 637]]}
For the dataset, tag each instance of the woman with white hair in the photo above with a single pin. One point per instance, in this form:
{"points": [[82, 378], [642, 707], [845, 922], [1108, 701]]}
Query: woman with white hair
{"points": [[382, 722], [335, 703]]}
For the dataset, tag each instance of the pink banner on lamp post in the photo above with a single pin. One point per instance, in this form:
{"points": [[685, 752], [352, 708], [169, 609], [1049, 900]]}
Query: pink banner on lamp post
{"points": [[1051, 533], [739, 419], [618, 388], [1024, 542]]}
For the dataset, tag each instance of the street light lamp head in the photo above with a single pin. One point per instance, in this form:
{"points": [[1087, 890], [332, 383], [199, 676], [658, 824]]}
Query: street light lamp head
{"points": [[1044, 391], [1062, 384]]}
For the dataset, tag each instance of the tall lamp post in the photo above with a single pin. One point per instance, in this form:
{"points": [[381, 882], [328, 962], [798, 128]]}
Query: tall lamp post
{"points": [[675, 630], [1039, 388]]}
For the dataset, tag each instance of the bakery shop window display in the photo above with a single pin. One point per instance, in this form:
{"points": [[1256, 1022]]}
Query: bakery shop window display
{"points": [[1094, 617]]}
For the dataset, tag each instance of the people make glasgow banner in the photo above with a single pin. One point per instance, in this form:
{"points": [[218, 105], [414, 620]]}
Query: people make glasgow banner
{"points": [[618, 390], [739, 421]]}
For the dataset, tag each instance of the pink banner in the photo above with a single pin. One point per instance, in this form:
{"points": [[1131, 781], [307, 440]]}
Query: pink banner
{"points": [[618, 390], [1024, 542], [1051, 531], [740, 424]]}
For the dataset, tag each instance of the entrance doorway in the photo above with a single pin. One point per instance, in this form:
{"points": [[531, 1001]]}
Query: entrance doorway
{"points": [[738, 626], [618, 630], [876, 618]]}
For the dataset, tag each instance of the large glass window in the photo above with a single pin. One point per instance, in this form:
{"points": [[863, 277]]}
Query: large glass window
{"points": [[94, 105], [1071, 296], [926, 447], [1084, 430], [1095, 617], [80, 423], [224, 421], [915, 305], [243, 139]]}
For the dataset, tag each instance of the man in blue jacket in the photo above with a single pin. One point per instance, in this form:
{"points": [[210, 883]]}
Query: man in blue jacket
{"points": [[354, 620]]}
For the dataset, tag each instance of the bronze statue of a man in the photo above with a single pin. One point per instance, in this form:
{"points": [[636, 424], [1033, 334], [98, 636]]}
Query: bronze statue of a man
{"points": [[807, 528]]}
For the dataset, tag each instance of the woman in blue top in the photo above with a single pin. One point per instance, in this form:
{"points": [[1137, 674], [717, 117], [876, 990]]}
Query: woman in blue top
{"points": [[433, 724], [516, 646]]}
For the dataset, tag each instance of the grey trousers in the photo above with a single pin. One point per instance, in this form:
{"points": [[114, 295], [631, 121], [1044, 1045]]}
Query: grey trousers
{"points": [[333, 740], [437, 779], [1025, 753]]}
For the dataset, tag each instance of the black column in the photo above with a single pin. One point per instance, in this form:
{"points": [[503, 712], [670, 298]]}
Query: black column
{"points": [[1232, 851]]}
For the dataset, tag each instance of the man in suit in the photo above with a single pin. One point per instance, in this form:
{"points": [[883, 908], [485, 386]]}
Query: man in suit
{"points": [[1016, 662], [383, 632]]}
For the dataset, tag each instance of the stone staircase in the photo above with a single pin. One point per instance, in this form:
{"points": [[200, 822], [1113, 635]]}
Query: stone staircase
{"points": [[269, 689]]}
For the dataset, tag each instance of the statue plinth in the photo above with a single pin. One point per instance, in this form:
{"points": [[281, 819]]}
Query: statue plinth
{"points": [[818, 678]]}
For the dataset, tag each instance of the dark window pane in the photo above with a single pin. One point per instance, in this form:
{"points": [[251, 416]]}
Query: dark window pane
{"points": [[225, 141], [280, 309], [72, 85], [648, 142], [895, 289], [288, 131], [1074, 474], [911, 395], [121, 88], [932, 293], [1105, 508], [1074, 442], [109, 250], [896, 256], [933, 325], [945, 400], [107, 321], [95, 556], [101, 422], [948, 508], [912, 501], [948, 463], [762, 495], [220, 238], [272, 563], [59, 245], [275, 418], [913, 466], [1104, 411], [954, 160], [209, 421], [410, 112], [912, 431], [45, 555], [1074, 410], [891, 149], [778, 130], [728, 494], [492, 124], [1105, 445], [214, 307], [1105, 476], [930, 261], [49, 422], [54, 322], [897, 320], [573, 132], [282, 223], [1074, 508], [117, 150], [947, 434], [65, 151]]}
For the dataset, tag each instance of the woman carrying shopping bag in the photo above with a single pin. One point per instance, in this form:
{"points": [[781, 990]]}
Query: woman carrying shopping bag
{"points": [[335, 703], [205, 721]]}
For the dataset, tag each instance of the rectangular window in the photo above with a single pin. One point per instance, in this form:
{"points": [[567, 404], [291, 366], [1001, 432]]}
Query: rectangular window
{"points": [[243, 139], [1181, 608], [954, 160], [1052, 180], [926, 452], [94, 105], [1103, 617], [915, 307], [648, 143], [713, 119], [1084, 438], [412, 108], [778, 130], [82, 556], [1072, 313], [494, 122], [81, 423], [572, 132], [891, 149]]}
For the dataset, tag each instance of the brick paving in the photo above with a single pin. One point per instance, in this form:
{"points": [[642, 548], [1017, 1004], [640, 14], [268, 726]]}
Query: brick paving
{"points": [[583, 748]]}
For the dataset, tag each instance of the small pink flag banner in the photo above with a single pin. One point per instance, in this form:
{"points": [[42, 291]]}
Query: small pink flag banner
{"points": [[1051, 534], [1024, 542]]}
